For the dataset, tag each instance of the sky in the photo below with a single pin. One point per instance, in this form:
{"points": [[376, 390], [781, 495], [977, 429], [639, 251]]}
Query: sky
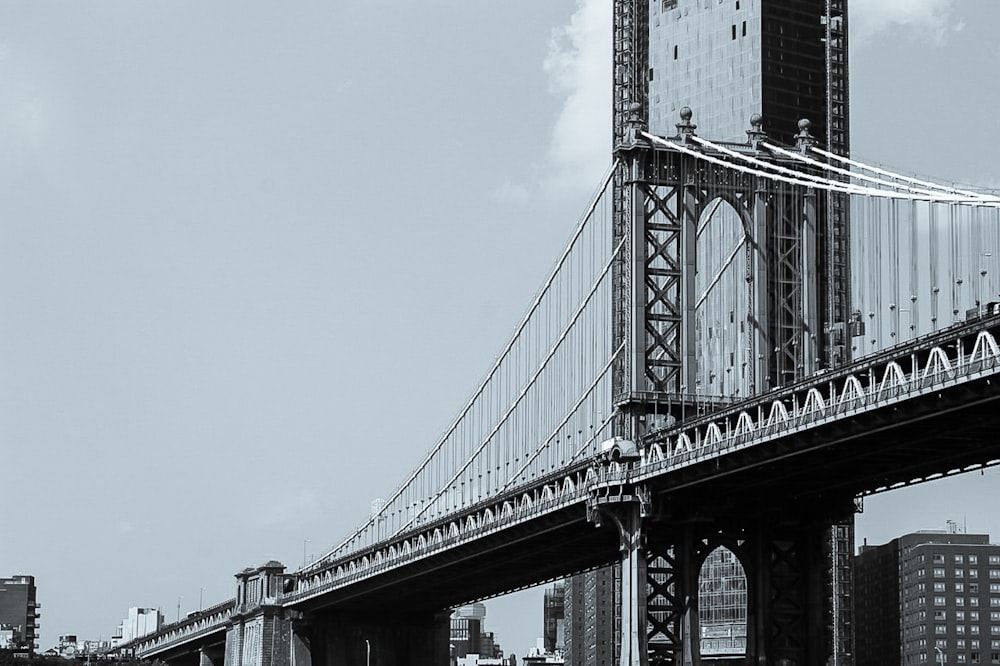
{"points": [[255, 256]]}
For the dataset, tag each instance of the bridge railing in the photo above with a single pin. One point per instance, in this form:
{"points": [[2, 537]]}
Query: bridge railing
{"points": [[195, 625], [961, 353], [549, 493]]}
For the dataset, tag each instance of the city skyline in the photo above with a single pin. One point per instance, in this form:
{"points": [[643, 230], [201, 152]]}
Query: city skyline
{"points": [[229, 232]]}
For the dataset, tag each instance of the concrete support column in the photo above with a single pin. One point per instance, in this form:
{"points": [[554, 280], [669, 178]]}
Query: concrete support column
{"points": [[634, 651], [626, 508]]}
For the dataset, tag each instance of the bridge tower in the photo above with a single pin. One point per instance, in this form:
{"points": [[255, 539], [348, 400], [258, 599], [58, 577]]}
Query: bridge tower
{"points": [[732, 285]]}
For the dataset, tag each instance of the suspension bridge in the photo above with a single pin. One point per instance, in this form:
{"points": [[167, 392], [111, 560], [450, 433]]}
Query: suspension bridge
{"points": [[739, 340]]}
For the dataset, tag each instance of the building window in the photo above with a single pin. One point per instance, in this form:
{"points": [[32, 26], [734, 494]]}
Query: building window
{"points": [[939, 572], [939, 601], [994, 587], [973, 573], [960, 601], [994, 559], [939, 587], [938, 558], [960, 629], [959, 558], [940, 629], [941, 615], [994, 574], [995, 629], [959, 573], [669, 4], [973, 559], [960, 587], [995, 602]]}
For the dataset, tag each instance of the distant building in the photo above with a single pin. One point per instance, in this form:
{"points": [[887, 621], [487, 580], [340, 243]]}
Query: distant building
{"points": [[722, 605], [19, 613], [928, 598], [554, 617], [784, 59], [140, 622], [539, 656], [470, 639], [465, 636], [592, 617], [479, 660]]}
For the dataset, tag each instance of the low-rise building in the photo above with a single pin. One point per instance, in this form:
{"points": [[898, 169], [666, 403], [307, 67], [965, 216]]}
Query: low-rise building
{"points": [[19, 613]]}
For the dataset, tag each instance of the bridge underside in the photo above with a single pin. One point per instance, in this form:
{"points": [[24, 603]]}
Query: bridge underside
{"points": [[550, 547]]}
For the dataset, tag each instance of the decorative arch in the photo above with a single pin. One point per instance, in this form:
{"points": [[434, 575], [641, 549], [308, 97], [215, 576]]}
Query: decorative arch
{"points": [[892, 377], [778, 413], [655, 454], [853, 391], [814, 403], [986, 350], [937, 365], [744, 425], [713, 435], [684, 444]]}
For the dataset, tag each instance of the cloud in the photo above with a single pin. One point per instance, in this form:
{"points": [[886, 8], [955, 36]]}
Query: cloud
{"points": [[579, 70], [926, 20]]}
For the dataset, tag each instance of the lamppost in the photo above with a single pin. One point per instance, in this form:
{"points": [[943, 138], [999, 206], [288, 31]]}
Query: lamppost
{"points": [[940, 655], [368, 653]]}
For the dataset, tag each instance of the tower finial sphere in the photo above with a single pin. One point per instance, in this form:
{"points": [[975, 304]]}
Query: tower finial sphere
{"points": [[804, 124], [756, 119], [686, 113]]}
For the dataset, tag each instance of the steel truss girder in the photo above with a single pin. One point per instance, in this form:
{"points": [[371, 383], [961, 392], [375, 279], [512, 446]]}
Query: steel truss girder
{"points": [[792, 581], [661, 196]]}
